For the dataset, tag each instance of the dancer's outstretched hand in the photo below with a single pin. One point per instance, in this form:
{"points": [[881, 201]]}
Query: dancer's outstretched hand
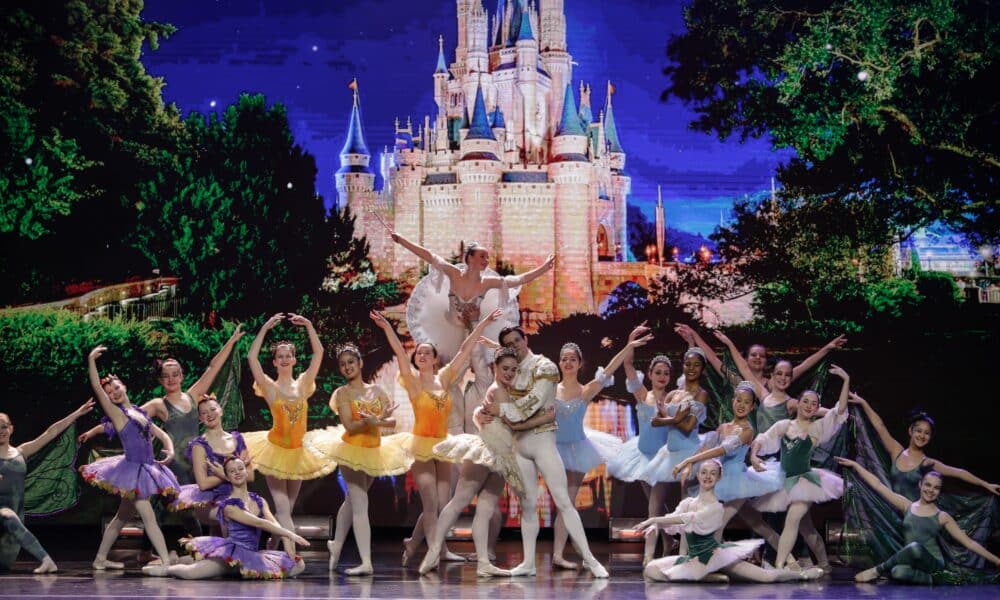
{"points": [[273, 321], [493, 316], [97, 352], [837, 342], [85, 408], [845, 462], [835, 370], [639, 331], [298, 320], [485, 341], [379, 320]]}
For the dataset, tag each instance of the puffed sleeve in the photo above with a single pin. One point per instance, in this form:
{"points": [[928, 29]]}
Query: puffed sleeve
{"points": [[634, 385], [699, 411], [731, 443], [826, 427], [606, 381], [703, 520], [769, 442]]}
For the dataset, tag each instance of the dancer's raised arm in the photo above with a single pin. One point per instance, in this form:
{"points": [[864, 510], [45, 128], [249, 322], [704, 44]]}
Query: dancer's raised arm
{"points": [[316, 361], [692, 338], [453, 369], [812, 360], [259, 377], [117, 417], [900, 502], [633, 379], [52, 432], [966, 476], [201, 387], [595, 385], [406, 373], [891, 445], [424, 254], [524, 278], [742, 365], [949, 524]]}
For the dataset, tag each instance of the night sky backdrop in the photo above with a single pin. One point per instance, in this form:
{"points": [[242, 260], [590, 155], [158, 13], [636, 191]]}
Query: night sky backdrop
{"points": [[303, 53]]}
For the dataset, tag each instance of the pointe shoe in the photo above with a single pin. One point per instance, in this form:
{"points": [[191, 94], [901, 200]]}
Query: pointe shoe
{"points": [[47, 566], [596, 568], [429, 563], [812, 573], [562, 563], [155, 571], [334, 557], [523, 570], [407, 556], [450, 556], [715, 578], [102, 564], [866, 576], [300, 565], [489, 570], [360, 570]]}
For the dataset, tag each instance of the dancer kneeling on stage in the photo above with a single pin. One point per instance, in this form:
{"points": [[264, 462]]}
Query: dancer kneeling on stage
{"points": [[244, 515], [923, 521], [707, 559]]}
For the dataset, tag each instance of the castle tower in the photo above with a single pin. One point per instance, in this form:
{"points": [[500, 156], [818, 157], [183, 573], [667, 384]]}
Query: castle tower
{"points": [[556, 60], [355, 181], [532, 131], [571, 172], [661, 226], [621, 184], [478, 173]]}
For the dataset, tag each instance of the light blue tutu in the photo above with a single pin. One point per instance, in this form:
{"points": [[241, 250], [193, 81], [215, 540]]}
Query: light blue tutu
{"points": [[680, 446], [740, 481], [581, 448], [634, 456]]}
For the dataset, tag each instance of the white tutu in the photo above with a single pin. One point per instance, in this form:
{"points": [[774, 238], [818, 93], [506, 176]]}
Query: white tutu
{"points": [[491, 449], [595, 449], [693, 569], [630, 463], [831, 487], [428, 308], [661, 467]]}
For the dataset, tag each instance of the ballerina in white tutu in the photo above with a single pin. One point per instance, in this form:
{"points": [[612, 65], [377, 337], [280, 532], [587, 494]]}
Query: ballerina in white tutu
{"points": [[803, 484], [446, 305], [730, 443], [706, 559], [580, 448]]}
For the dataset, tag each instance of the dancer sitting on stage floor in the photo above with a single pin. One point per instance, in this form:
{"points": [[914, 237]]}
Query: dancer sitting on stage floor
{"points": [[706, 559], [633, 459], [205, 454], [136, 476], [487, 461], [356, 445], [243, 515], [923, 521], [581, 449], [803, 484], [428, 387], [279, 453], [730, 443], [13, 470], [531, 415]]}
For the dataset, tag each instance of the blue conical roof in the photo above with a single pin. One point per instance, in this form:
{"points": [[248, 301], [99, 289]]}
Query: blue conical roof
{"points": [[479, 128], [610, 130], [355, 143], [515, 22], [498, 118], [499, 39], [524, 30], [570, 122], [441, 66]]}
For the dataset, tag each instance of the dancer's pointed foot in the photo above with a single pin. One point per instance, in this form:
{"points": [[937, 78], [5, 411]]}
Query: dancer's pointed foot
{"points": [[715, 578], [449, 556], [812, 573], [102, 564], [562, 563], [48, 566], [524, 569], [596, 568], [334, 555], [155, 570], [867, 575], [300, 565], [360, 570], [407, 554], [430, 562], [489, 570]]}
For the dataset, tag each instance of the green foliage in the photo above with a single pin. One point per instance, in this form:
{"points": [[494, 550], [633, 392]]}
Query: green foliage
{"points": [[77, 102], [238, 219], [878, 95], [939, 290], [893, 298]]}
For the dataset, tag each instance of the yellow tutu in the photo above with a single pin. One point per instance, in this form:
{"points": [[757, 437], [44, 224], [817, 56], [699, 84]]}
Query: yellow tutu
{"points": [[287, 463], [376, 461], [417, 446]]}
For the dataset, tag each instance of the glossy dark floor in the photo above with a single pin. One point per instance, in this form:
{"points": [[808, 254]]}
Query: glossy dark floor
{"points": [[453, 580]]}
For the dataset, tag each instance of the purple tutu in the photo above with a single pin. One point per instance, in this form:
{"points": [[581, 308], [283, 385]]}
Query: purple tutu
{"points": [[136, 474], [192, 496], [241, 547]]}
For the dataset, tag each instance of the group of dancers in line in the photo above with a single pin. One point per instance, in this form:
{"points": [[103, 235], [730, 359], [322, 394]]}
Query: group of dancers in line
{"points": [[528, 422]]}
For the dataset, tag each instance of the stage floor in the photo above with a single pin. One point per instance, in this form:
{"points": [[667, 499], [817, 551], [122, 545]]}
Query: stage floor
{"points": [[453, 580]]}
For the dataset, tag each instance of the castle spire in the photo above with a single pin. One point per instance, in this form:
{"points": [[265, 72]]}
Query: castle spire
{"points": [[441, 66], [479, 128], [355, 143], [570, 122], [514, 24], [524, 29], [497, 119], [610, 130], [586, 114], [498, 41]]}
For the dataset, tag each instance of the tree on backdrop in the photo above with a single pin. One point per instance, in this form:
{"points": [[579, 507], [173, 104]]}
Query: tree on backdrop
{"points": [[884, 98], [81, 122], [239, 219]]}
